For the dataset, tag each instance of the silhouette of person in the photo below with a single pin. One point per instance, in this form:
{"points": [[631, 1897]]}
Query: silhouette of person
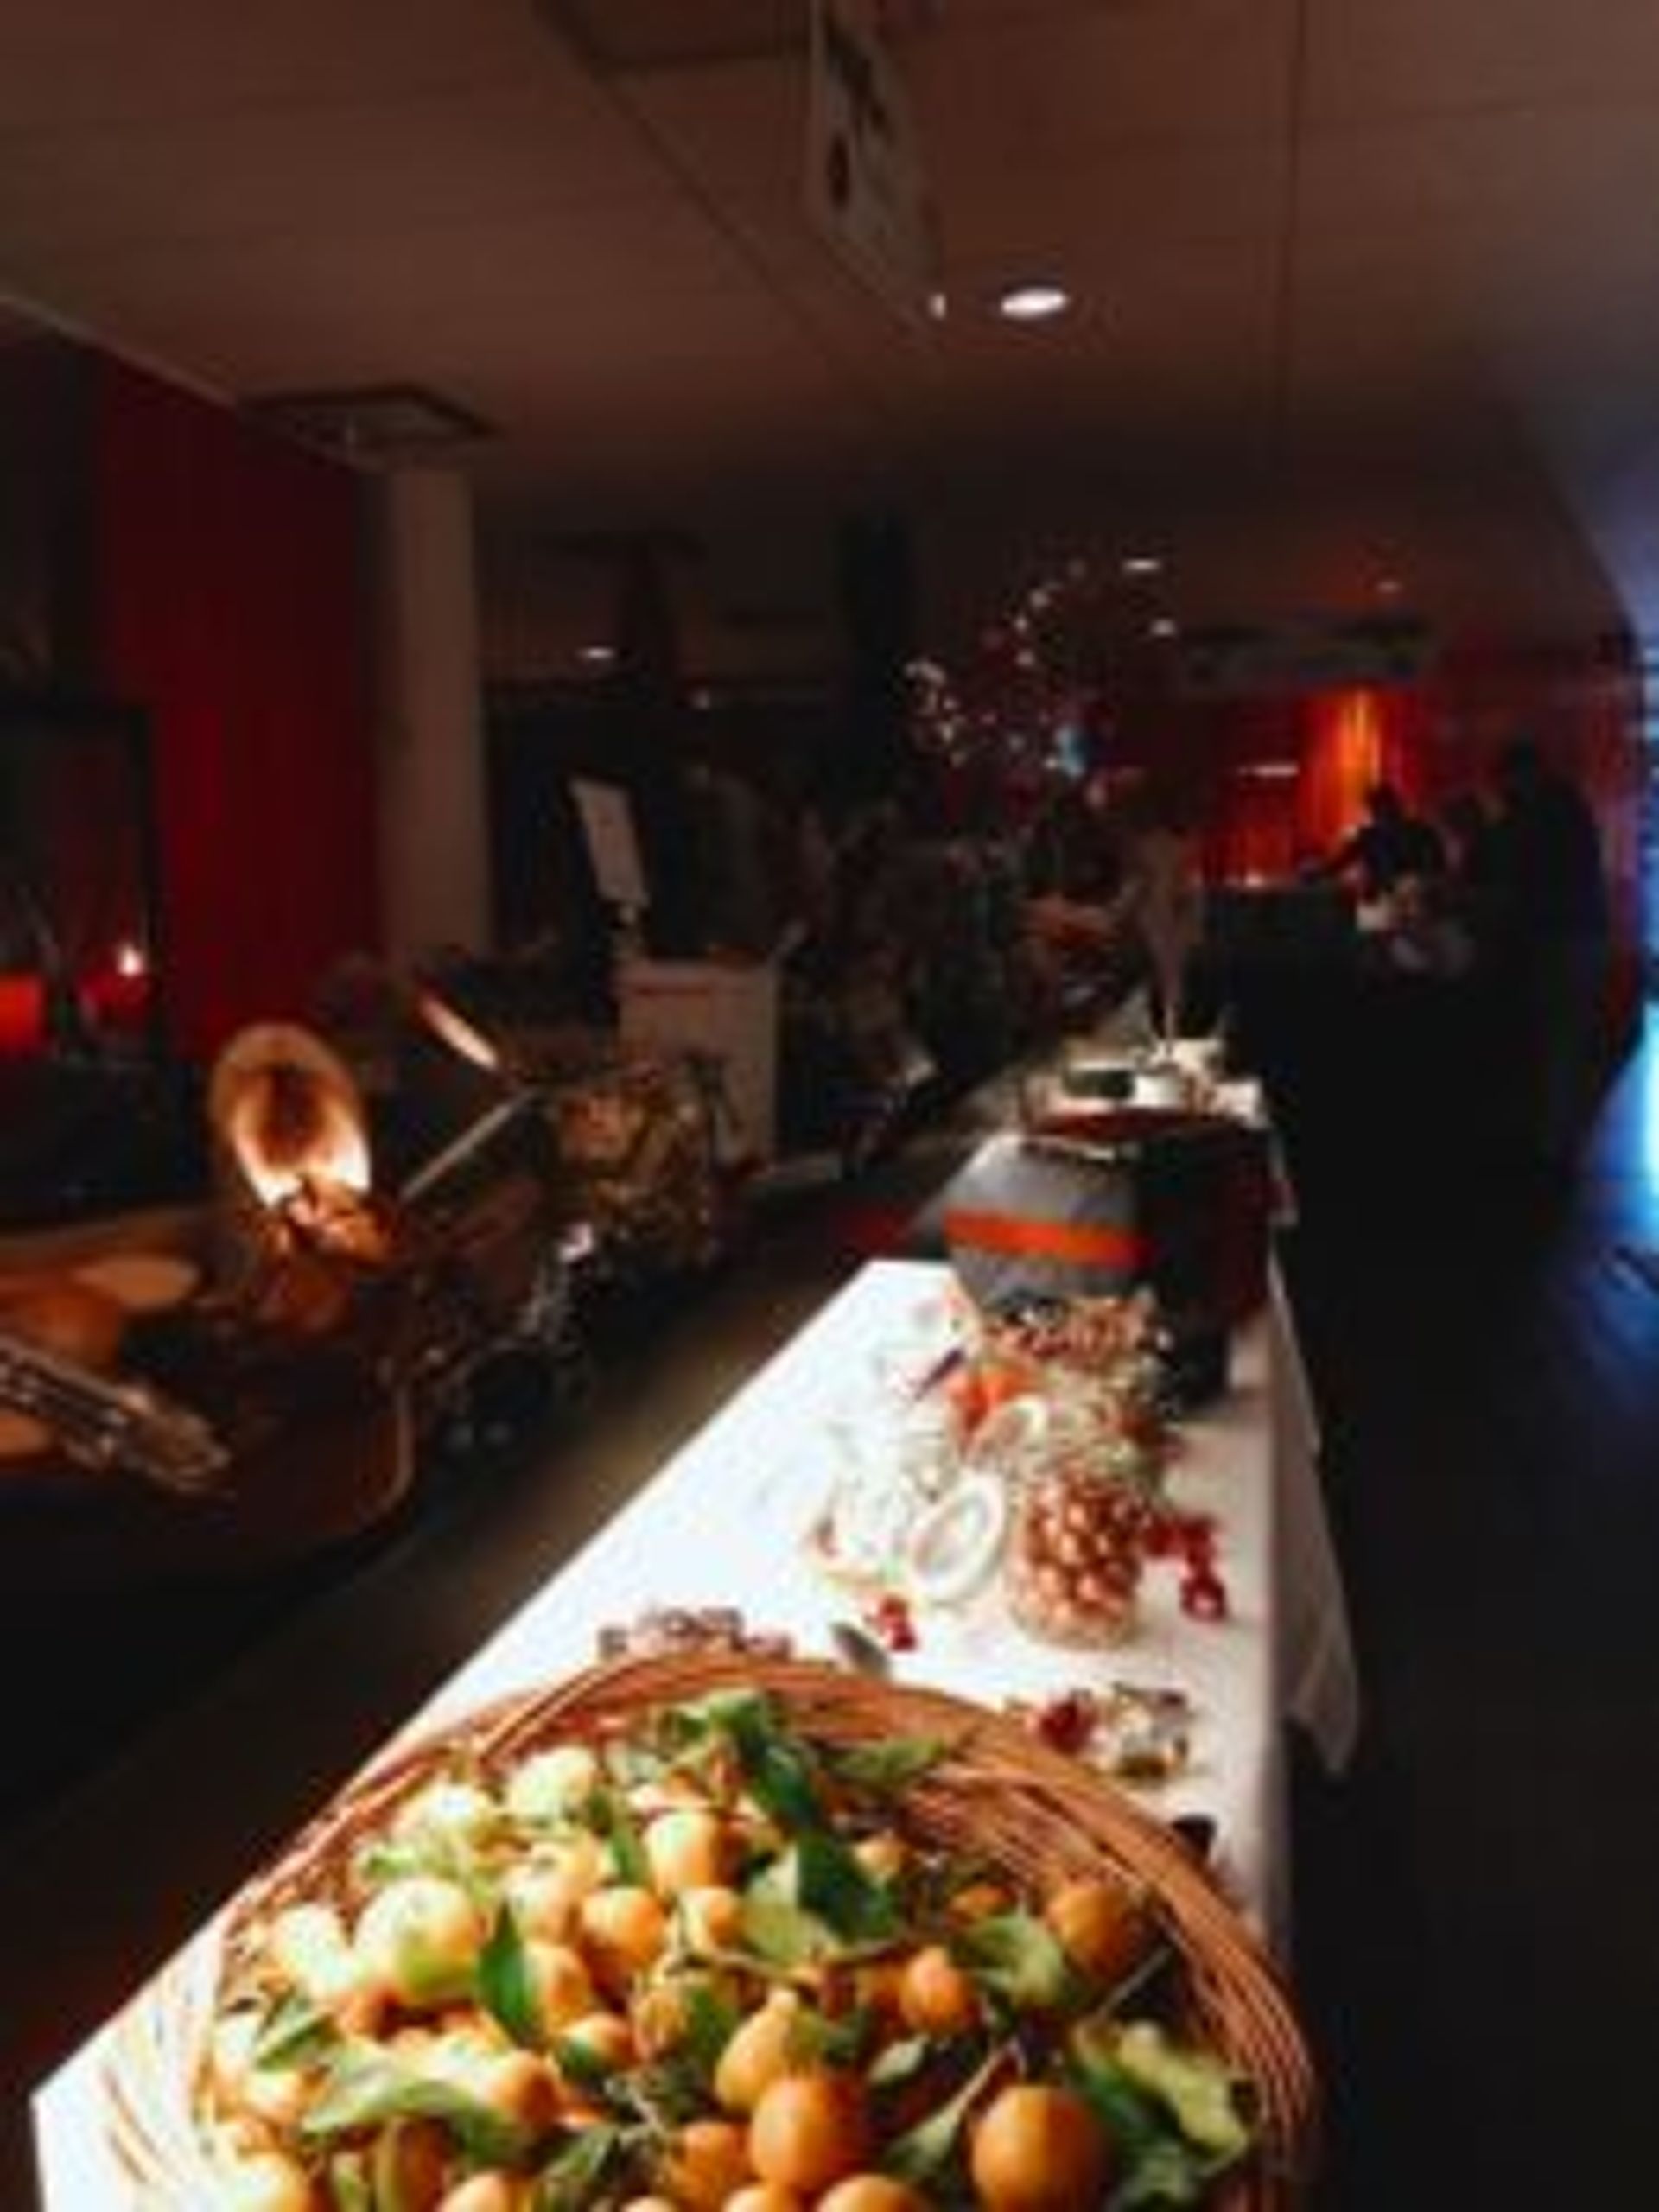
{"points": [[1472, 838], [1466, 829], [1153, 918], [1551, 905], [1390, 844]]}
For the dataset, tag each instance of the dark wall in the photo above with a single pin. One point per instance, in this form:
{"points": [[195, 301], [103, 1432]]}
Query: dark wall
{"points": [[540, 737], [46, 513], [874, 756]]}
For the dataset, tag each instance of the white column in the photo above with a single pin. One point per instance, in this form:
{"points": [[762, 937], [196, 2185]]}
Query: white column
{"points": [[434, 859]]}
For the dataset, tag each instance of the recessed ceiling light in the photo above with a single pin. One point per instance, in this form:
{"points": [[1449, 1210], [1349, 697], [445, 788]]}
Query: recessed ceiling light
{"points": [[1143, 564], [1163, 625], [598, 656], [1388, 587], [1035, 299]]}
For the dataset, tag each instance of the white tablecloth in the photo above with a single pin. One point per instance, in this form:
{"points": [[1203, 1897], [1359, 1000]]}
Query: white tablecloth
{"points": [[722, 1523]]}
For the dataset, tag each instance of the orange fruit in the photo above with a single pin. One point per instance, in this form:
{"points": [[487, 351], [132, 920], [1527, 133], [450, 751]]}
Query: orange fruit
{"points": [[809, 2130], [1040, 2150], [935, 1996], [1101, 1926]]}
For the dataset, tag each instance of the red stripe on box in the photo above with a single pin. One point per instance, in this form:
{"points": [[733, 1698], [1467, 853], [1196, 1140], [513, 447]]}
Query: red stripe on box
{"points": [[1076, 1244]]}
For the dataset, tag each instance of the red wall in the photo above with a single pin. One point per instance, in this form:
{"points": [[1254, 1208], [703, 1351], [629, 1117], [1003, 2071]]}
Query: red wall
{"points": [[228, 602], [1431, 739], [1583, 708]]}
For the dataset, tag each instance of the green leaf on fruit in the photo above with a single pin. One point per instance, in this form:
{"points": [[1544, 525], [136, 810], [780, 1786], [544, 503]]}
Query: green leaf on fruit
{"points": [[924, 2151], [573, 2181], [365, 2089], [884, 1769], [903, 2063], [1157, 2164], [1168, 2173], [1196, 2087], [504, 1989], [711, 2021], [816, 2040], [294, 2032], [1019, 1958], [606, 1814], [580, 2065], [778, 1931], [832, 1882]]}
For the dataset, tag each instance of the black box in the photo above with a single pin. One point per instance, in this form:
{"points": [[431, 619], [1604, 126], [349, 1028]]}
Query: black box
{"points": [[1175, 1204]]}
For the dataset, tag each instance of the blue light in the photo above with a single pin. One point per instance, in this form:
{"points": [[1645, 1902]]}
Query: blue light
{"points": [[1072, 750]]}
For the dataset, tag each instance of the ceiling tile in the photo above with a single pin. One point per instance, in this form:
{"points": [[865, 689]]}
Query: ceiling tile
{"points": [[1021, 84], [621, 271], [1381, 57], [361, 168], [76, 62]]}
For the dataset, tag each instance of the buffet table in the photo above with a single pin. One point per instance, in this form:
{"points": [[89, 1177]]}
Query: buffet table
{"points": [[724, 1523]]}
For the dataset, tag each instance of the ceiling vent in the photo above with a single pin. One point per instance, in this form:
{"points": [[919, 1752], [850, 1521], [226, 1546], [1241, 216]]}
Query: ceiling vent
{"points": [[367, 425]]}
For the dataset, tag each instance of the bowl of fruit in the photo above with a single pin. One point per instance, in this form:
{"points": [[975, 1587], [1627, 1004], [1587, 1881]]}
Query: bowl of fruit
{"points": [[730, 1934]]}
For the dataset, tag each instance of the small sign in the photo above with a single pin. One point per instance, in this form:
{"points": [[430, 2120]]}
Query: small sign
{"points": [[612, 847], [866, 189]]}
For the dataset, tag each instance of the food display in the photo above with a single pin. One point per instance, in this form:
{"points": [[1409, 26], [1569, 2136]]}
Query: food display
{"points": [[730, 1935], [1077, 1556], [1041, 1443], [895, 1460], [1137, 1732], [637, 1167], [661, 1629], [1086, 1447]]}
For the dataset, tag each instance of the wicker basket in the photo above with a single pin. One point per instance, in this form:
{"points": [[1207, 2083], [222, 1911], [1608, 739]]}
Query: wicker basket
{"points": [[1041, 1817]]}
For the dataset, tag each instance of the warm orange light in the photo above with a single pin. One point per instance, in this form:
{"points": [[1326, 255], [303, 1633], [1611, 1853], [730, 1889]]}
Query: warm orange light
{"points": [[456, 1031], [1345, 757], [294, 1138]]}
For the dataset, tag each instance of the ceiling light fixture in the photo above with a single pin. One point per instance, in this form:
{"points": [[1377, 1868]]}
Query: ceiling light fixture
{"points": [[1033, 300], [1163, 625], [598, 656], [1143, 564], [1388, 587], [363, 423]]}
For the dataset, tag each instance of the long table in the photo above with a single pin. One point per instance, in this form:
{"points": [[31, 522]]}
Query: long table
{"points": [[724, 1523]]}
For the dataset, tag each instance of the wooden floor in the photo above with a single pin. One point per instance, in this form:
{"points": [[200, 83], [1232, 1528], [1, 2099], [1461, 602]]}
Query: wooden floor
{"points": [[1478, 1902], [1477, 1911]]}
